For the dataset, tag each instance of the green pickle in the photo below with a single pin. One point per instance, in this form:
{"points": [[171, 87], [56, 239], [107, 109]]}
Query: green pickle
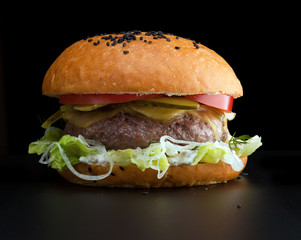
{"points": [[172, 102], [87, 108], [52, 119]]}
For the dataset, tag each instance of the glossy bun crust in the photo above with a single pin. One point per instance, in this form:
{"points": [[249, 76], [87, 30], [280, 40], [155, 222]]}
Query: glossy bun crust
{"points": [[140, 63], [176, 176]]}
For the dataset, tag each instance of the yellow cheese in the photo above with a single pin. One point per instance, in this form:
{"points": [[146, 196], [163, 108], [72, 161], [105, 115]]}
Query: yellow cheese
{"points": [[85, 119]]}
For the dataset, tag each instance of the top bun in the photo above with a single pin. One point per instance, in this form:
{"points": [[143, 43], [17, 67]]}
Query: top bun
{"points": [[140, 62]]}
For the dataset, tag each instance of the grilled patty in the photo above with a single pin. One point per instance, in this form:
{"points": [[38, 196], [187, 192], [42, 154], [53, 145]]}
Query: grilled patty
{"points": [[128, 131]]}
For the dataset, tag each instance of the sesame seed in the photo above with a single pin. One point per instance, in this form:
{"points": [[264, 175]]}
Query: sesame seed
{"points": [[125, 37], [114, 43]]}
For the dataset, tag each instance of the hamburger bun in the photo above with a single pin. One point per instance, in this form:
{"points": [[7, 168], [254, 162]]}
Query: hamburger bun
{"points": [[176, 176], [166, 65]]}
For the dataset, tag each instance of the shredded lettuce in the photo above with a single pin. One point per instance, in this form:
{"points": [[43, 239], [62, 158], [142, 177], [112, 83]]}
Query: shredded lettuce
{"points": [[63, 151], [248, 148]]}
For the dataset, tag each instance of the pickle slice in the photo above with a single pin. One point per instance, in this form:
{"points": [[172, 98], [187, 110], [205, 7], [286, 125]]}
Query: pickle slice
{"points": [[52, 119], [87, 108], [172, 102], [66, 108], [161, 114]]}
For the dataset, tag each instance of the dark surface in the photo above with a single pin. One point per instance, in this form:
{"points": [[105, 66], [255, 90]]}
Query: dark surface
{"points": [[36, 203]]}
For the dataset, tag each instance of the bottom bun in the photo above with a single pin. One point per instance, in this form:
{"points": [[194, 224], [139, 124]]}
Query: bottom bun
{"points": [[176, 176]]}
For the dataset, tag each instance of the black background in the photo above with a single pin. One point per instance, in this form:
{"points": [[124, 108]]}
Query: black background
{"points": [[258, 41]]}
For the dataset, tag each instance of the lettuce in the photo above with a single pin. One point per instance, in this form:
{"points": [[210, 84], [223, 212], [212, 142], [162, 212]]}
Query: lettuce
{"points": [[63, 151], [73, 148], [248, 148], [51, 135]]}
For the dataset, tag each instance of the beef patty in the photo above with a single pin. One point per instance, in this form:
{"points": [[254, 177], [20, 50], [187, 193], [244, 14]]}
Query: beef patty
{"points": [[128, 131]]}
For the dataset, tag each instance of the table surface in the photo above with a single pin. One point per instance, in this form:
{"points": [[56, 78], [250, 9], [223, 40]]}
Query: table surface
{"points": [[262, 203]]}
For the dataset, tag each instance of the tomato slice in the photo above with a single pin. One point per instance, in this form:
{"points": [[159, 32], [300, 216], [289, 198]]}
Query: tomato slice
{"points": [[220, 101], [103, 98]]}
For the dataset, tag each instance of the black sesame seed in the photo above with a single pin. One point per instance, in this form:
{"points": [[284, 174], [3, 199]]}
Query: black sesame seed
{"points": [[90, 40], [121, 168], [95, 43], [124, 44], [125, 52], [177, 38], [149, 41], [168, 39], [108, 44], [177, 47], [141, 38], [145, 41]]}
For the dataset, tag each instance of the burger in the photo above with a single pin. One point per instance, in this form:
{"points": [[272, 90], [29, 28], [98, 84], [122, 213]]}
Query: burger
{"points": [[142, 109]]}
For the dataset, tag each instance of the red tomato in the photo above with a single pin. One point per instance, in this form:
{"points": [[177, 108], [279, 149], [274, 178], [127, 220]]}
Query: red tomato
{"points": [[220, 101], [103, 98]]}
